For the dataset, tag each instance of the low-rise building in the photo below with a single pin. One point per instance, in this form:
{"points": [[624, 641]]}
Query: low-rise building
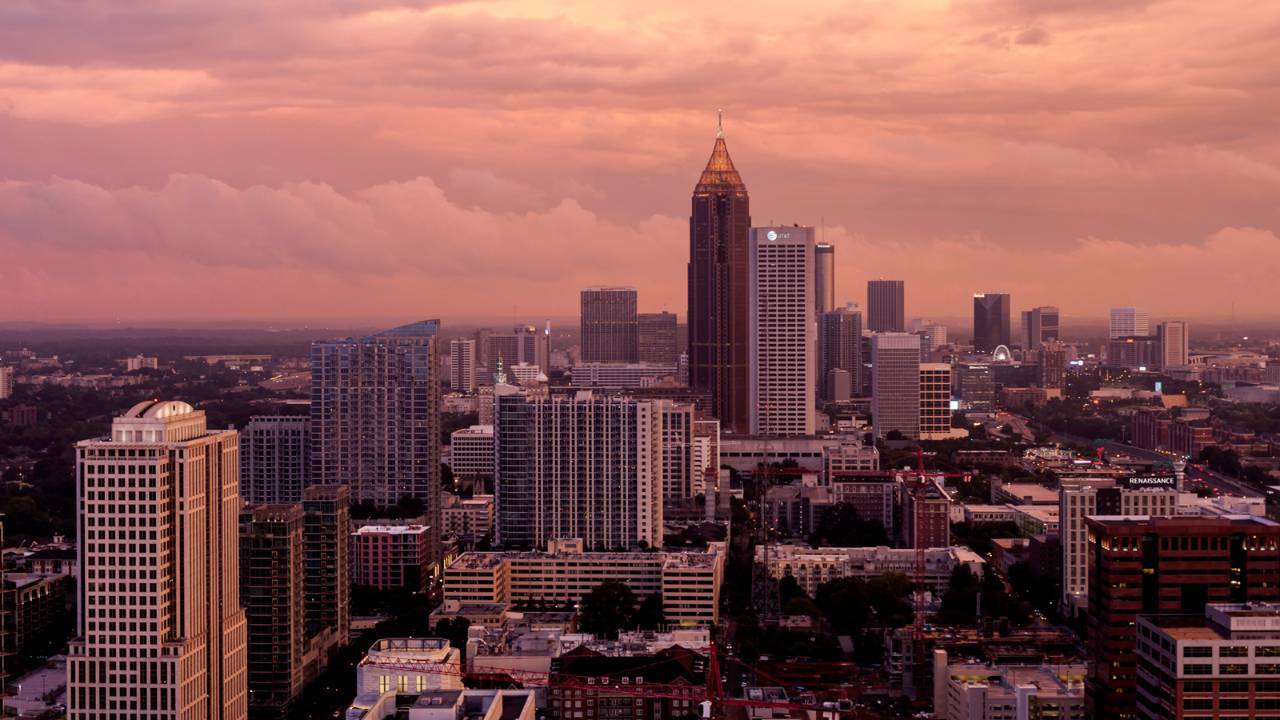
{"points": [[1222, 664], [675, 678], [971, 691], [688, 581], [470, 518], [811, 567]]}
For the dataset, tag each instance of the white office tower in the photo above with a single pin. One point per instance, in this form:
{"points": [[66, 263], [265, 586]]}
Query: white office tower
{"points": [[1175, 349], [1128, 322], [462, 366], [895, 384], [6, 382], [935, 401], [583, 466], [783, 336], [824, 278], [160, 632]]}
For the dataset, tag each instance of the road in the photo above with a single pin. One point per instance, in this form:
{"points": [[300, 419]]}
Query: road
{"points": [[1195, 472]]}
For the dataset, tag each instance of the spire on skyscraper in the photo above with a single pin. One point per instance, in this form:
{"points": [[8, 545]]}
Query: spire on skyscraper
{"points": [[720, 172]]}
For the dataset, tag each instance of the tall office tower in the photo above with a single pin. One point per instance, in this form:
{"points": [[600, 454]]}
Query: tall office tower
{"points": [[6, 382], [1039, 326], [271, 592], [1174, 344], [1140, 565], [609, 331], [839, 348], [678, 469], [274, 459], [513, 348], [824, 278], [462, 366], [542, 349], [1129, 321], [1153, 496], [481, 337], [990, 321], [932, 336], [326, 553], [895, 384], [718, 289], [780, 308], [160, 631], [375, 417], [975, 386], [585, 466], [935, 401], [656, 338], [1053, 365], [886, 306]]}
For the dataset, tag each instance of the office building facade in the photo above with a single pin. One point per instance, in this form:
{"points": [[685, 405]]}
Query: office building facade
{"points": [[839, 349], [824, 278], [462, 366], [375, 418], [1129, 321], [1141, 565], [656, 338], [935, 401], [782, 342], [1039, 326], [1175, 349], [718, 289], [990, 321], [895, 384], [160, 631], [610, 332], [886, 306]]}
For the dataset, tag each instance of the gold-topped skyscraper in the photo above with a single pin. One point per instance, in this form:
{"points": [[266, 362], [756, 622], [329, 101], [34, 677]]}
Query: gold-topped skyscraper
{"points": [[718, 287]]}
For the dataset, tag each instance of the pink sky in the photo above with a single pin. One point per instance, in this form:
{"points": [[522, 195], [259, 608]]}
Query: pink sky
{"points": [[185, 160]]}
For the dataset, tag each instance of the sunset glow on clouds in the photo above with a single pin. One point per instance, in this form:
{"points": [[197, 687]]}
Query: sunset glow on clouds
{"points": [[372, 158]]}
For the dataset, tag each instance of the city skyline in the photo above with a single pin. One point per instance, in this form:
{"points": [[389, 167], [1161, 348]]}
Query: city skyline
{"points": [[931, 143]]}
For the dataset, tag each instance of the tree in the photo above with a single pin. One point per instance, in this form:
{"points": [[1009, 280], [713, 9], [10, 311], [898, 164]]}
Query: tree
{"points": [[608, 608], [455, 631], [960, 601], [789, 589], [649, 616], [839, 525]]}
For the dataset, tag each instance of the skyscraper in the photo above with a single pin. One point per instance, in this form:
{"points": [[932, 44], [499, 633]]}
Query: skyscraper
{"points": [[895, 384], [583, 466], [1174, 344], [824, 278], [375, 417], [1039, 326], [780, 267], [609, 331], [718, 288], [274, 459], [1128, 322], [6, 382], [990, 321], [839, 348], [462, 366], [160, 631], [657, 338], [271, 590], [886, 306], [542, 350]]}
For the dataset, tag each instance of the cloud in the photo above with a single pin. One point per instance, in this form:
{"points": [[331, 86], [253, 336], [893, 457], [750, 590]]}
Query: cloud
{"points": [[209, 251]]}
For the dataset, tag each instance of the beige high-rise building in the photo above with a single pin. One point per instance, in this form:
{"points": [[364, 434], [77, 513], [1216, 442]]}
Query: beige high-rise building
{"points": [[1174, 346], [462, 366], [895, 384], [935, 401], [160, 632], [782, 333], [6, 382]]}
